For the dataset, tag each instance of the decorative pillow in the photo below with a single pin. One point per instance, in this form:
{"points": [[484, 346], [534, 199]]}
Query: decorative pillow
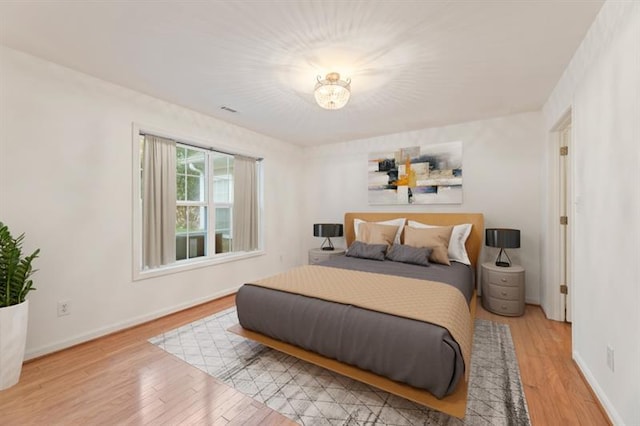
{"points": [[399, 223], [435, 238], [373, 233], [457, 249], [407, 254], [367, 251]]}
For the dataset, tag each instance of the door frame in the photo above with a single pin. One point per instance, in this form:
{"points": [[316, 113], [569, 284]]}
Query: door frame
{"points": [[553, 302], [567, 192]]}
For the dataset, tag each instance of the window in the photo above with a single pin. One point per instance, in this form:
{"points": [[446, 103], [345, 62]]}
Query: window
{"points": [[205, 212], [223, 200], [191, 203]]}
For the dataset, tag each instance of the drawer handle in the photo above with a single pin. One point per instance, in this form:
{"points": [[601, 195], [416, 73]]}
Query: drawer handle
{"points": [[504, 293], [504, 307], [504, 280]]}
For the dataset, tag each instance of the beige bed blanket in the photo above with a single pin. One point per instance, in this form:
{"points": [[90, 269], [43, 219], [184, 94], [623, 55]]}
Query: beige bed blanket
{"points": [[421, 300]]}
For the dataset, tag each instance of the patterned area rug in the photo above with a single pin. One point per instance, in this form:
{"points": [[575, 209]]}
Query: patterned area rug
{"points": [[311, 395]]}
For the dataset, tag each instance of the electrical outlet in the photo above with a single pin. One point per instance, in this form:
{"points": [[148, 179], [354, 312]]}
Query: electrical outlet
{"points": [[64, 307], [610, 358]]}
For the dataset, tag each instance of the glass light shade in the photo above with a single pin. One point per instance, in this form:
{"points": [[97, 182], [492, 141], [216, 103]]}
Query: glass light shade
{"points": [[332, 93]]}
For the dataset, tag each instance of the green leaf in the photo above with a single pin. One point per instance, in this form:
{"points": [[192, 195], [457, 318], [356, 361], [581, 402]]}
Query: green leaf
{"points": [[15, 270]]}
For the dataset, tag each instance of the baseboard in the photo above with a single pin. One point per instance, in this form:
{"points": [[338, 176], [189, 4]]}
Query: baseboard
{"points": [[85, 337], [605, 403]]}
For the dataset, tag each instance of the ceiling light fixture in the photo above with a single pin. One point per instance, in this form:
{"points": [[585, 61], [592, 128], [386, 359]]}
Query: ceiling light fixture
{"points": [[332, 93]]}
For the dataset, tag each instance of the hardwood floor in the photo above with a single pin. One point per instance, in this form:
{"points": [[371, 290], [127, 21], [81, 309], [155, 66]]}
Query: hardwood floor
{"points": [[555, 390], [123, 379]]}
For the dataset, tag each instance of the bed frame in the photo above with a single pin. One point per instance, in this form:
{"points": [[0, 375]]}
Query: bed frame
{"points": [[454, 404]]}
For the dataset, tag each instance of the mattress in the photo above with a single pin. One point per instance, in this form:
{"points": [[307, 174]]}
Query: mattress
{"points": [[420, 354]]}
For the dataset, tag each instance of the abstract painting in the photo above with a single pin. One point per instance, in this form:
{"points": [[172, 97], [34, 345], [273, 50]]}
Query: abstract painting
{"points": [[429, 174]]}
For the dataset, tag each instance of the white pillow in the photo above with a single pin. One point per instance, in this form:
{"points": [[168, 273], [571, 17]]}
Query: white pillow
{"points": [[459, 235], [395, 222]]}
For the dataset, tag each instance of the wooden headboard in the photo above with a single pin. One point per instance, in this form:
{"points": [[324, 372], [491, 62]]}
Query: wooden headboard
{"points": [[474, 242]]}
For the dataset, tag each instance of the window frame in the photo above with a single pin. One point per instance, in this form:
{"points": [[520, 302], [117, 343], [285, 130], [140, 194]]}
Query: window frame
{"points": [[210, 258]]}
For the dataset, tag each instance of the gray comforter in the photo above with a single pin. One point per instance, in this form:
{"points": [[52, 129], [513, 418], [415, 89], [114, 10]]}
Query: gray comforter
{"points": [[408, 351], [458, 275]]}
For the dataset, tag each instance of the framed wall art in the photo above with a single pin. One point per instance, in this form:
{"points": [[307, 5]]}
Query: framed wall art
{"points": [[429, 174]]}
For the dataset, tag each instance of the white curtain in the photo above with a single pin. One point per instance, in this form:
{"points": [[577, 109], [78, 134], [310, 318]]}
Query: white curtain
{"points": [[158, 202], [245, 204]]}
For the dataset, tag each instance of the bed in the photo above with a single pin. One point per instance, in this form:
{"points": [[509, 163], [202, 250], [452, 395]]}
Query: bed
{"points": [[392, 344]]}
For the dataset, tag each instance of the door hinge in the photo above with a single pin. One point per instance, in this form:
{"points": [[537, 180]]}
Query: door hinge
{"points": [[564, 220], [564, 150], [564, 289]]}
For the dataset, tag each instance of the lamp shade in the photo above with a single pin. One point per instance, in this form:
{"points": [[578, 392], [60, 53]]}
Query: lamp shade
{"points": [[502, 237], [327, 230]]}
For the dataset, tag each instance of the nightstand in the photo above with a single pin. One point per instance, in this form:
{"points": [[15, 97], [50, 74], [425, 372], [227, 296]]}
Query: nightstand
{"points": [[317, 255], [503, 289]]}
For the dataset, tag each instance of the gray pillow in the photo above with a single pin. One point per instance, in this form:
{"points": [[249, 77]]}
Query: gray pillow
{"points": [[367, 251], [407, 254]]}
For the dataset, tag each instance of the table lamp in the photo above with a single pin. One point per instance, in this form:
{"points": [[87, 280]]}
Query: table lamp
{"points": [[327, 230], [502, 238]]}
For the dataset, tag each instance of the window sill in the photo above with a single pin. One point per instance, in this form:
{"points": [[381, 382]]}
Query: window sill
{"points": [[187, 265]]}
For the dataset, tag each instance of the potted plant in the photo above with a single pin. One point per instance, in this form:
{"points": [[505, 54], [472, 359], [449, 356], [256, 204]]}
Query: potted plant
{"points": [[15, 284]]}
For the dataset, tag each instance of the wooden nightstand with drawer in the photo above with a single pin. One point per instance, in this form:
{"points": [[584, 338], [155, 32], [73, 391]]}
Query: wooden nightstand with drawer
{"points": [[503, 289], [318, 255]]}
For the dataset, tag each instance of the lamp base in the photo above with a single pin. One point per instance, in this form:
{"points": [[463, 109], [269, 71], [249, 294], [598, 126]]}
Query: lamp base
{"points": [[328, 246], [502, 263]]}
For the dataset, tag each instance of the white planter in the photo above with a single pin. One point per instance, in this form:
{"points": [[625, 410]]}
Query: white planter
{"points": [[13, 337]]}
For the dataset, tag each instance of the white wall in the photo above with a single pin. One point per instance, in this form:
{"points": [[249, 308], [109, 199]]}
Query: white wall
{"points": [[66, 181], [602, 87], [501, 171]]}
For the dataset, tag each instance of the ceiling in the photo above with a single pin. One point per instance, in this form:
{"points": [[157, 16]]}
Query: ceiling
{"points": [[413, 64]]}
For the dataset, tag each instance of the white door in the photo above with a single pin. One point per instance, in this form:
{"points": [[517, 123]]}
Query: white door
{"points": [[565, 220]]}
